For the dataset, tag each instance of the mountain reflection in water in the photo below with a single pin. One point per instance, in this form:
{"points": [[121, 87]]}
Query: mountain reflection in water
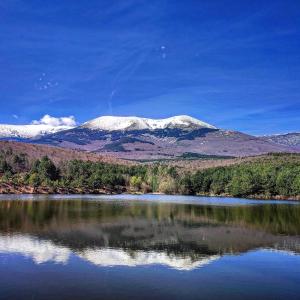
{"points": [[133, 233]]}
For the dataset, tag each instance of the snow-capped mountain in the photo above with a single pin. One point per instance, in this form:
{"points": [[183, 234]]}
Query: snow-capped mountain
{"points": [[29, 131], [105, 123], [142, 138], [112, 123]]}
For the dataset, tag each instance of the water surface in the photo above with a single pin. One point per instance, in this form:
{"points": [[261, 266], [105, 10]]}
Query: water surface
{"points": [[146, 247]]}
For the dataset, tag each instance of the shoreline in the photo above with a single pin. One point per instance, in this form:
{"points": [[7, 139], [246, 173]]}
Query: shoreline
{"points": [[9, 189]]}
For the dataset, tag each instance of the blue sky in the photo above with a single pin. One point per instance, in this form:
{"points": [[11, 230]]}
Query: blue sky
{"points": [[235, 64]]}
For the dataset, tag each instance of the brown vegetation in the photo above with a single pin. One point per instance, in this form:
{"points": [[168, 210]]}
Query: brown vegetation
{"points": [[202, 164], [57, 154]]}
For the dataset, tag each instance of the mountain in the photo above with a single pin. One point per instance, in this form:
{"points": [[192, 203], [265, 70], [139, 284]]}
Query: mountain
{"points": [[288, 139], [28, 131], [149, 139], [111, 123]]}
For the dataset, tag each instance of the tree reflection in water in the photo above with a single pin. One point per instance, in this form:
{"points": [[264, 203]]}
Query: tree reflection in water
{"points": [[182, 236]]}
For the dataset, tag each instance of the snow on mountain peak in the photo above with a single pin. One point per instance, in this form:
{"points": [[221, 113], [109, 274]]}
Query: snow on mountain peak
{"points": [[49, 125], [29, 131], [46, 125], [111, 123]]}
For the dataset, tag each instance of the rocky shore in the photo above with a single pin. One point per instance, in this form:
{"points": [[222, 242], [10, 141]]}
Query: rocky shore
{"points": [[7, 188]]}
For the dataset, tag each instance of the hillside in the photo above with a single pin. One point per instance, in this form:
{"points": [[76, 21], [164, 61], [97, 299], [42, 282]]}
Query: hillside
{"points": [[56, 154], [269, 176], [209, 163], [159, 144], [289, 139], [135, 138]]}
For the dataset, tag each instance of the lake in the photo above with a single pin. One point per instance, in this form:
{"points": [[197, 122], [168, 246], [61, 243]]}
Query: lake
{"points": [[148, 247]]}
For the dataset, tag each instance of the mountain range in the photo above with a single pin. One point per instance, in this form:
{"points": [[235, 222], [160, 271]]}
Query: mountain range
{"points": [[151, 139]]}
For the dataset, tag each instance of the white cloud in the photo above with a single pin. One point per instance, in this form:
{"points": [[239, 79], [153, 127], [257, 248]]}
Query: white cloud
{"points": [[53, 121]]}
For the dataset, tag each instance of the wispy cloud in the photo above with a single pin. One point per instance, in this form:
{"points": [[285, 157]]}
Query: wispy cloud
{"points": [[150, 58]]}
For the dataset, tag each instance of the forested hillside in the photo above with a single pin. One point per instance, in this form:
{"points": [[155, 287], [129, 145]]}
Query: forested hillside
{"points": [[274, 175]]}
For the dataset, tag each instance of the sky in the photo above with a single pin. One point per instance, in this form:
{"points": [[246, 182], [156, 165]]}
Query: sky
{"points": [[233, 64]]}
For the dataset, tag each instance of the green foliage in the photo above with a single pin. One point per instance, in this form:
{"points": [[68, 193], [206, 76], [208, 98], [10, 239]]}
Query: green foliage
{"points": [[186, 185], [267, 177], [284, 181], [45, 169], [34, 180], [296, 185], [242, 183], [192, 155], [167, 185], [136, 182], [277, 176], [4, 166]]}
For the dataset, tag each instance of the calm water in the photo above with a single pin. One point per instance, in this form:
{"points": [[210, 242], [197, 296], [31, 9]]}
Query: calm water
{"points": [[148, 247]]}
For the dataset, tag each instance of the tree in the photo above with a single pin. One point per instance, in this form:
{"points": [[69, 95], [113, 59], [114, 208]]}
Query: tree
{"points": [[167, 185], [95, 181], [284, 181], [20, 162], [296, 185], [220, 179], [242, 184], [4, 166], [186, 185], [34, 180], [45, 171], [135, 182]]}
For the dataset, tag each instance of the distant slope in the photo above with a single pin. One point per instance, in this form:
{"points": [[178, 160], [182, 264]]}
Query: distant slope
{"points": [[202, 164], [28, 131], [56, 154], [288, 139], [163, 143]]}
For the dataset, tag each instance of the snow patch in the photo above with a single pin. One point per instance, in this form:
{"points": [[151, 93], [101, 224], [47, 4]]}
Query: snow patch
{"points": [[112, 123], [28, 131], [46, 125]]}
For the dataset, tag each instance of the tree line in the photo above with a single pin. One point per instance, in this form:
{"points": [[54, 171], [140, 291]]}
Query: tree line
{"points": [[279, 174]]}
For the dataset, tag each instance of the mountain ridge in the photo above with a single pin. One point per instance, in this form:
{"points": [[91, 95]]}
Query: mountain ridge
{"points": [[291, 139], [113, 123], [105, 123], [143, 139]]}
